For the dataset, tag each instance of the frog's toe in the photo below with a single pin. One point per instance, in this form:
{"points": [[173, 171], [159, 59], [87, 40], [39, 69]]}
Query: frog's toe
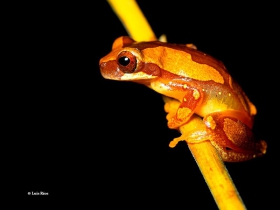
{"points": [[263, 146]]}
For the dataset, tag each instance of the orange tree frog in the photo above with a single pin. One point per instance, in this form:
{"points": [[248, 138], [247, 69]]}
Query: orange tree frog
{"points": [[198, 92]]}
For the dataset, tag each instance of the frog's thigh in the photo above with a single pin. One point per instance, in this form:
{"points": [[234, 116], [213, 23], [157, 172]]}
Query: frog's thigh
{"points": [[192, 132], [229, 131], [232, 138]]}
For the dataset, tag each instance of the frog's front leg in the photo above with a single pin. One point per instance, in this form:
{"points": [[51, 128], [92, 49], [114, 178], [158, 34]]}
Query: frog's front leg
{"points": [[179, 112]]}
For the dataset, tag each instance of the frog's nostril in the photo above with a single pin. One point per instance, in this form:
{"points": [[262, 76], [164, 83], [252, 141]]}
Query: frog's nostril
{"points": [[102, 65]]}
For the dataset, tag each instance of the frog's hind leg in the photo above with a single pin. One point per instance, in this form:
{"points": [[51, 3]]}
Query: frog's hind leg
{"points": [[233, 139], [229, 155]]}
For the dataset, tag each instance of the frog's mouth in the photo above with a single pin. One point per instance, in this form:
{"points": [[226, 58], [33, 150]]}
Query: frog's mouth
{"points": [[139, 76]]}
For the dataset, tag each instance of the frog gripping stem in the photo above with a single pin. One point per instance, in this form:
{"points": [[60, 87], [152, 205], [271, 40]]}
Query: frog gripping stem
{"points": [[212, 131]]}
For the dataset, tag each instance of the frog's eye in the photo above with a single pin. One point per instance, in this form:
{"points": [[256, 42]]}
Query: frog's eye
{"points": [[127, 62]]}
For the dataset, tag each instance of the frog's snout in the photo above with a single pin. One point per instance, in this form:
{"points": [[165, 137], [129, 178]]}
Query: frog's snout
{"points": [[109, 70]]}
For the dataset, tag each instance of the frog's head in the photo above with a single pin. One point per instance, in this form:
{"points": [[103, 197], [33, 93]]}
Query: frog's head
{"points": [[126, 62]]}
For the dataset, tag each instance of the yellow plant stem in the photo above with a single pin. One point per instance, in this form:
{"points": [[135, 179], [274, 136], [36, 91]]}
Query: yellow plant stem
{"points": [[216, 176], [206, 156], [133, 19]]}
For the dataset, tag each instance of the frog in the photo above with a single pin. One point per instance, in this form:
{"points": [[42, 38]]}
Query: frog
{"points": [[198, 91]]}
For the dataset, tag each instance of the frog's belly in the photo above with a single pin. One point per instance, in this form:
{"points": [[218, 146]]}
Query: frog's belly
{"points": [[210, 106]]}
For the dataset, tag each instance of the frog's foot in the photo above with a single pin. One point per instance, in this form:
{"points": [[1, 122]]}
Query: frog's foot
{"points": [[176, 115], [229, 155], [192, 137], [171, 106], [263, 146], [191, 46], [162, 38], [194, 131]]}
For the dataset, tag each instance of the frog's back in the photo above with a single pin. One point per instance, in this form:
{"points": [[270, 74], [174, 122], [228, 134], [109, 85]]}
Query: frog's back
{"points": [[193, 64]]}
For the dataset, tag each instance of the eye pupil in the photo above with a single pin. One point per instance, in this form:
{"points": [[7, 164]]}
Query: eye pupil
{"points": [[124, 61]]}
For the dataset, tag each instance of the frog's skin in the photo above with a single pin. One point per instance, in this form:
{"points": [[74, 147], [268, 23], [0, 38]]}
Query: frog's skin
{"points": [[198, 92]]}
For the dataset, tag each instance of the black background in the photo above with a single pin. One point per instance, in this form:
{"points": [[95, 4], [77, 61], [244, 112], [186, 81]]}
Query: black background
{"points": [[75, 134]]}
